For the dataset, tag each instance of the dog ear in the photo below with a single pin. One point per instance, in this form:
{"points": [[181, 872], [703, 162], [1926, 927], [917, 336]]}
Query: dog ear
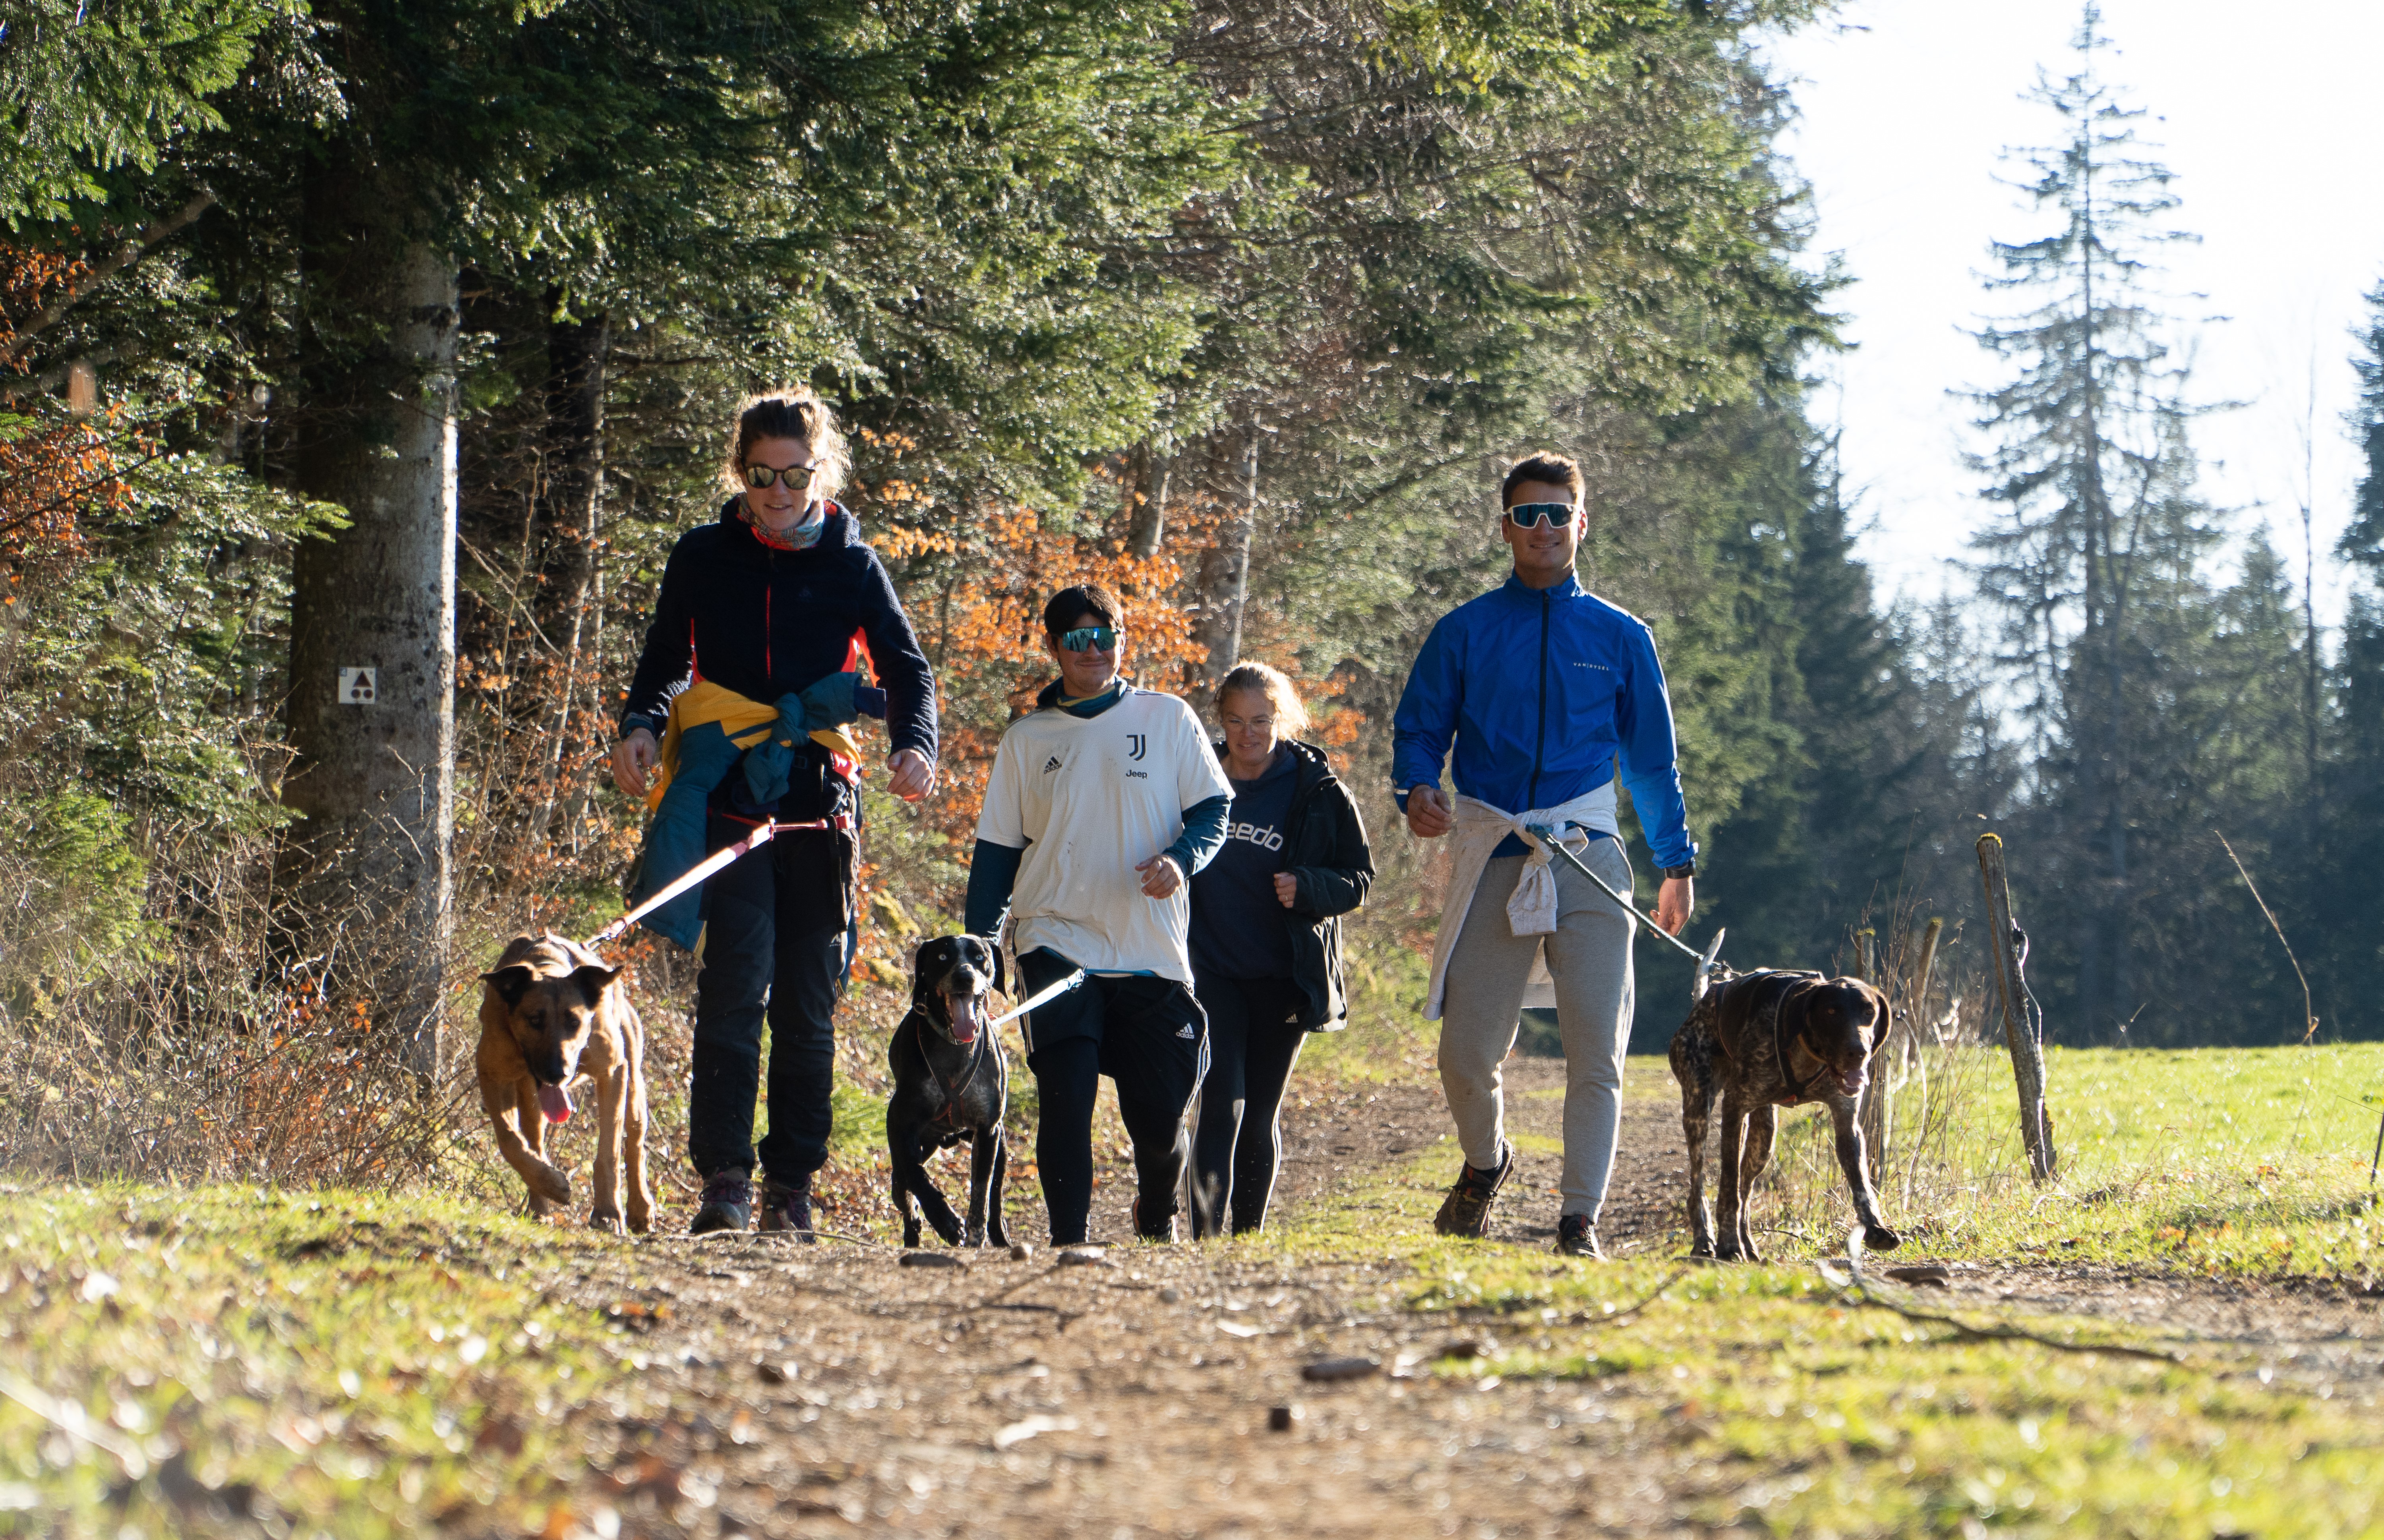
{"points": [[594, 978], [1000, 965], [510, 983]]}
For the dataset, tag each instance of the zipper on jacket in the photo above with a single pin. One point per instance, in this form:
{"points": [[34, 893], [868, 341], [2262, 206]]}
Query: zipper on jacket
{"points": [[1540, 744]]}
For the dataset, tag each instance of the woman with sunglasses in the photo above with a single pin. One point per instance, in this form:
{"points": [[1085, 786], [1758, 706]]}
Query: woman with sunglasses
{"points": [[768, 601], [1102, 803], [1544, 690], [1266, 938]]}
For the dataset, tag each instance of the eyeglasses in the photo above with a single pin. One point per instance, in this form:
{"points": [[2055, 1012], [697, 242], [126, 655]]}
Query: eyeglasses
{"points": [[797, 477], [1526, 515], [1248, 724], [1091, 638]]}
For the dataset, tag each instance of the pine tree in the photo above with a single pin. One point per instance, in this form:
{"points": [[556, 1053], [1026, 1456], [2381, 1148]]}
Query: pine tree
{"points": [[2101, 527]]}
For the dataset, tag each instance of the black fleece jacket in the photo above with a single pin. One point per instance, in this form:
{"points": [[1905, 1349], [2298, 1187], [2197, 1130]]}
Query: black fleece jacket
{"points": [[766, 623]]}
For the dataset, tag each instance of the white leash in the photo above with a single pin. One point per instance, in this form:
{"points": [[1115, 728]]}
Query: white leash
{"points": [[1043, 997]]}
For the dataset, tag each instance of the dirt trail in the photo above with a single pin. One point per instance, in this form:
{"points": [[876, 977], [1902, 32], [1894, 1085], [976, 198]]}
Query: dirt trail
{"points": [[828, 1390]]}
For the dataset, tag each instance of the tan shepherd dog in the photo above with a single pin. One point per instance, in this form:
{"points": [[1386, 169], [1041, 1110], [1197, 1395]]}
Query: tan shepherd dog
{"points": [[555, 1011]]}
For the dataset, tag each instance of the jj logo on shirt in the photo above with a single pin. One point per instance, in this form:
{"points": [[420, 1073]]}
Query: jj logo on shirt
{"points": [[1136, 744]]}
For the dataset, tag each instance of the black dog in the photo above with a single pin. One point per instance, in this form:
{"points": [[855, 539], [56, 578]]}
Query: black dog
{"points": [[1763, 1041], [952, 1083]]}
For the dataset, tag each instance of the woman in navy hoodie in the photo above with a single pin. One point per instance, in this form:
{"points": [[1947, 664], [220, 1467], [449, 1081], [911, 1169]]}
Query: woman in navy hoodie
{"points": [[776, 595], [1266, 938]]}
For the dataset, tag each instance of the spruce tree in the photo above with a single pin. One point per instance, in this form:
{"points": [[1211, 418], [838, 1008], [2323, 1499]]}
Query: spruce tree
{"points": [[2099, 525]]}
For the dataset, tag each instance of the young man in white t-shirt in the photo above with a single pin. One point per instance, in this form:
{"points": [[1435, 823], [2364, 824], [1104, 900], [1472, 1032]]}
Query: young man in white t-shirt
{"points": [[1102, 804]]}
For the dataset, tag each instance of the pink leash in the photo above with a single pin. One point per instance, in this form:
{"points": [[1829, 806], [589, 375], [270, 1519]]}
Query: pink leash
{"points": [[702, 869]]}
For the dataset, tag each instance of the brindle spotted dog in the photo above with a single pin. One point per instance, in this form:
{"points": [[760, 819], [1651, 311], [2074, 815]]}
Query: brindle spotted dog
{"points": [[1764, 1041]]}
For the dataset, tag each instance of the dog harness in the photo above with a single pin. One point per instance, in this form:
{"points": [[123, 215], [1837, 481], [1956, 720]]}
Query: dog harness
{"points": [[949, 1116]]}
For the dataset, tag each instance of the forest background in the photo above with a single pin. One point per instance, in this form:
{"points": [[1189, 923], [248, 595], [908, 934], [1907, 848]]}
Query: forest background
{"points": [[406, 337]]}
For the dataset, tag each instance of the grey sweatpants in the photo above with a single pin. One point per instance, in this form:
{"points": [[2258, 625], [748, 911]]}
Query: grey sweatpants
{"points": [[1589, 957]]}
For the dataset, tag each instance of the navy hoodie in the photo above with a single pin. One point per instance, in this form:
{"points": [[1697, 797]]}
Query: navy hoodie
{"points": [[767, 622]]}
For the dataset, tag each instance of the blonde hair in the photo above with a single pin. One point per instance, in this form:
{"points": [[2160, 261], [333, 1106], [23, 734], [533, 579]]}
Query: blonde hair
{"points": [[1265, 680], [795, 412]]}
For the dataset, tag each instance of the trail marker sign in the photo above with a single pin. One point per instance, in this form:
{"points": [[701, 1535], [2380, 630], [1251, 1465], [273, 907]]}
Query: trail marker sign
{"points": [[356, 686]]}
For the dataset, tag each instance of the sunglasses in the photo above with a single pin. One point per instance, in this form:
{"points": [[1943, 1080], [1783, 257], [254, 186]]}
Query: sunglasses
{"points": [[797, 477], [1526, 515], [1091, 638]]}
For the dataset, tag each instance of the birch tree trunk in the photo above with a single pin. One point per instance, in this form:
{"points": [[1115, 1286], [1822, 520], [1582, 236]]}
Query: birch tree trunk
{"points": [[373, 767]]}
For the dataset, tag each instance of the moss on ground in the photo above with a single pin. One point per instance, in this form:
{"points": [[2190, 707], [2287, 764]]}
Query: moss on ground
{"points": [[374, 1365]]}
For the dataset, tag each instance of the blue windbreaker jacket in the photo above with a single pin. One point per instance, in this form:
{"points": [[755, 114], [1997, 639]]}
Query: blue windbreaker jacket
{"points": [[1540, 690]]}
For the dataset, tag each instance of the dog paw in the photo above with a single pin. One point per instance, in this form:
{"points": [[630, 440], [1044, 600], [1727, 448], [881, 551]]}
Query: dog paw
{"points": [[551, 1185], [641, 1221], [607, 1222], [1879, 1237], [974, 1238]]}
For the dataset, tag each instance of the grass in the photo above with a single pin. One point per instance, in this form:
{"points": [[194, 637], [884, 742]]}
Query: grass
{"points": [[2243, 1161], [1799, 1410], [174, 1360]]}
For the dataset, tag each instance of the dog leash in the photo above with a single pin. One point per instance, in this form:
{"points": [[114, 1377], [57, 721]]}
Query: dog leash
{"points": [[1043, 998], [1705, 960], [760, 836]]}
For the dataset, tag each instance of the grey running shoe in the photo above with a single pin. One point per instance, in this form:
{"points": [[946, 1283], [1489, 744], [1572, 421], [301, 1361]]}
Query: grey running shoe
{"points": [[1466, 1211], [727, 1204], [788, 1209], [1576, 1236]]}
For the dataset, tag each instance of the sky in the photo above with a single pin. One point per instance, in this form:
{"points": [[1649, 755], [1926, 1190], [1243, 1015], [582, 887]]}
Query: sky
{"points": [[2267, 117]]}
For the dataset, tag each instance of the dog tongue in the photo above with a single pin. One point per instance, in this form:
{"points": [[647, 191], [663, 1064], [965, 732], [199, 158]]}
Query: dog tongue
{"points": [[555, 1102], [968, 1017]]}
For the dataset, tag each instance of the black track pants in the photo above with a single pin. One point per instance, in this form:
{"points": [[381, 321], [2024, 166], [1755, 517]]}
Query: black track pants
{"points": [[773, 950], [1147, 1036]]}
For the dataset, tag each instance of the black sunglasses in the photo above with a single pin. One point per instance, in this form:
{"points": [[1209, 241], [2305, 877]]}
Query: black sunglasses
{"points": [[1526, 515], [797, 477], [1089, 638]]}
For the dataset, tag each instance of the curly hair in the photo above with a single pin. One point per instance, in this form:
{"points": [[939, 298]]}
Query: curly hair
{"points": [[794, 412]]}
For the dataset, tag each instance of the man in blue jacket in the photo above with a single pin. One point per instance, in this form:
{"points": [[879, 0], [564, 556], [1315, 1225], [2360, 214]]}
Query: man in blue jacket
{"points": [[1541, 687]]}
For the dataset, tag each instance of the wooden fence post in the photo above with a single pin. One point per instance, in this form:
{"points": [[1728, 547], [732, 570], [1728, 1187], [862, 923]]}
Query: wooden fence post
{"points": [[2023, 1028]]}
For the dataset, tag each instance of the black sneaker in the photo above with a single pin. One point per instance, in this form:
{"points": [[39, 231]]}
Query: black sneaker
{"points": [[1466, 1211], [1576, 1236], [1161, 1228], [727, 1204], [788, 1209]]}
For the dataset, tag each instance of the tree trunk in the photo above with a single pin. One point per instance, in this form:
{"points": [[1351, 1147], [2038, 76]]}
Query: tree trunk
{"points": [[1146, 518], [570, 498], [1226, 573], [2023, 1031], [373, 773]]}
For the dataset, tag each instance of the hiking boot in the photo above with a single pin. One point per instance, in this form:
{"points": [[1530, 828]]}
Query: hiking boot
{"points": [[727, 1204], [1466, 1211], [1576, 1236], [788, 1208], [1161, 1228]]}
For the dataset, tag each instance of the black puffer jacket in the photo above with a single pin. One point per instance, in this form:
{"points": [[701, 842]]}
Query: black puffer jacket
{"points": [[1324, 848], [767, 622]]}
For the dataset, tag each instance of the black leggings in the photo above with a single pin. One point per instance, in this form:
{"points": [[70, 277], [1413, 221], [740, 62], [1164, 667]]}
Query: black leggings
{"points": [[1253, 1045]]}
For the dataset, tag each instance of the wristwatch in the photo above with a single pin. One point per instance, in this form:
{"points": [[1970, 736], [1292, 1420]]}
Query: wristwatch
{"points": [[1688, 870]]}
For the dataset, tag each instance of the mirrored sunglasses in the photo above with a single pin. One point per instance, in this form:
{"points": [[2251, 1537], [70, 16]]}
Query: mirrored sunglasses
{"points": [[797, 477], [1089, 638], [1526, 515]]}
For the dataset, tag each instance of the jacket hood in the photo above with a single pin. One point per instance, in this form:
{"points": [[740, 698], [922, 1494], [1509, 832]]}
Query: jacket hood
{"points": [[1313, 767]]}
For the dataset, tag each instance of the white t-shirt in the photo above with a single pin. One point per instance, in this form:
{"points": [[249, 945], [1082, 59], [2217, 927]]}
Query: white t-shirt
{"points": [[1088, 799]]}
